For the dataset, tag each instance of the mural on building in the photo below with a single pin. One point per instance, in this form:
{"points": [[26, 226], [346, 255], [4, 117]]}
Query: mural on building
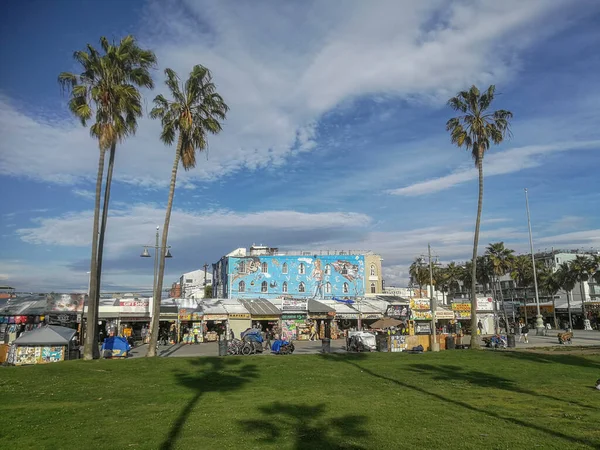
{"points": [[300, 276]]}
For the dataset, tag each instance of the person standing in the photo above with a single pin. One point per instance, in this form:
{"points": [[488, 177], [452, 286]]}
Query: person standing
{"points": [[480, 326], [524, 334], [268, 337]]}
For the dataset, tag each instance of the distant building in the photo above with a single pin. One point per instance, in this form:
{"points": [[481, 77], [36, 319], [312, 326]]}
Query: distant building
{"points": [[192, 283], [320, 274], [175, 291]]}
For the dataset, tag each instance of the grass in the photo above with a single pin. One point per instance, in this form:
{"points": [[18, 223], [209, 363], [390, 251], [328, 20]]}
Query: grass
{"points": [[459, 399]]}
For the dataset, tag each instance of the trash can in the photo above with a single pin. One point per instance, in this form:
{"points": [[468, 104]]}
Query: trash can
{"points": [[223, 347], [450, 344], [325, 345], [510, 341], [382, 343]]}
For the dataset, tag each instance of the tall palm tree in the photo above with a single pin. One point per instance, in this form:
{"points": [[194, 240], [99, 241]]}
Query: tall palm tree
{"points": [[453, 275], [106, 89], [194, 112], [567, 280], [501, 259], [582, 268], [522, 274], [419, 273], [474, 129], [440, 280], [550, 283]]}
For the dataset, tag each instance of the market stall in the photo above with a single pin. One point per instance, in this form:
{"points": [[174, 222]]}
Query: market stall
{"points": [[238, 317], [264, 314], [44, 345], [214, 316], [322, 315], [294, 321], [421, 316]]}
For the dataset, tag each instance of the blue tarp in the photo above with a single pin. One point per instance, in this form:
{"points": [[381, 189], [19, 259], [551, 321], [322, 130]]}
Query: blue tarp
{"points": [[115, 347], [276, 347], [252, 334], [347, 302]]}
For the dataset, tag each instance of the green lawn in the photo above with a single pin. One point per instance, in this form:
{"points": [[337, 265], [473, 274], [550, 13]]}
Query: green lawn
{"points": [[457, 399]]}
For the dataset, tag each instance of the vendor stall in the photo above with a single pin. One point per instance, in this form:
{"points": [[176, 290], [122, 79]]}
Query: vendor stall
{"points": [[238, 317], [322, 317], [264, 314], [294, 320], [44, 345]]}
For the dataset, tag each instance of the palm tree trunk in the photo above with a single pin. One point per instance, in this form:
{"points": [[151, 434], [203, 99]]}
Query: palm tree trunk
{"points": [[161, 270], [474, 340], [503, 307], [90, 347], [582, 291], [109, 173], [569, 308]]}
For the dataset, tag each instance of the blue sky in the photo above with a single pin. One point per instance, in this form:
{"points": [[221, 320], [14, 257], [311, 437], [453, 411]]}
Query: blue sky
{"points": [[335, 138]]}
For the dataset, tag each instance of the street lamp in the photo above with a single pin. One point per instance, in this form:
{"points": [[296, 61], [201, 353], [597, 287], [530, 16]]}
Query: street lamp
{"points": [[146, 254], [539, 323]]}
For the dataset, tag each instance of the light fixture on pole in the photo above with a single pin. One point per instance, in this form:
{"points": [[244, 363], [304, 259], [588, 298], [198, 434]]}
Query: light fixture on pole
{"points": [[146, 254], [539, 323]]}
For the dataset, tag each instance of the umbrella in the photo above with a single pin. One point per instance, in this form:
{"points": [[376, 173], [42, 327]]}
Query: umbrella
{"points": [[386, 323]]}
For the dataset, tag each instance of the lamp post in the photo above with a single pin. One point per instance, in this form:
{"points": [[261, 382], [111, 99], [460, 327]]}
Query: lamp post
{"points": [[146, 254], [539, 323]]}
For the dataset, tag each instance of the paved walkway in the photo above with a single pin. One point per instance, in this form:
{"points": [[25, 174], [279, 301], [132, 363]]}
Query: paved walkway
{"points": [[583, 338]]}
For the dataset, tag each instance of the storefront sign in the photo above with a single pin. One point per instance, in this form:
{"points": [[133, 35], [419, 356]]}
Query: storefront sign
{"points": [[293, 317], [274, 318], [215, 316], [239, 316], [544, 309], [421, 315], [319, 316], [419, 303], [462, 315], [398, 311], [185, 314], [461, 307], [444, 314], [422, 328], [294, 305], [346, 316], [485, 304], [134, 306], [371, 316], [61, 319]]}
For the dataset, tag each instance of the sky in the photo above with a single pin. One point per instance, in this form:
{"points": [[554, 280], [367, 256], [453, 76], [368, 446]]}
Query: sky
{"points": [[335, 138]]}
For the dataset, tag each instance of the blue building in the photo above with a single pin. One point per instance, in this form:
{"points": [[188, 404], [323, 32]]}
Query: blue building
{"points": [[268, 273]]}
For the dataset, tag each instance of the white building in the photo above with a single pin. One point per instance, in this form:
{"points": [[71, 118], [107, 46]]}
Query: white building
{"points": [[193, 283]]}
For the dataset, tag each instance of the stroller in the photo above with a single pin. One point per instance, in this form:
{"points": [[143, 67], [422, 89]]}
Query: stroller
{"points": [[280, 347]]}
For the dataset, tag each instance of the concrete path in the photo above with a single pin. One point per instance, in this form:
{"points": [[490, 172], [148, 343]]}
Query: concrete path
{"points": [[581, 338]]}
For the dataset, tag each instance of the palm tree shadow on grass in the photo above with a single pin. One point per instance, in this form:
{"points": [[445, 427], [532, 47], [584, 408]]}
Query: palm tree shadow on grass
{"points": [[483, 379], [354, 359], [212, 375], [307, 426], [571, 360]]}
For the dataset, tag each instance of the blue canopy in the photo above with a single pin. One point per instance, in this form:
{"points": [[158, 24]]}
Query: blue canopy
{"points": [[115, 347], [348, 302]]}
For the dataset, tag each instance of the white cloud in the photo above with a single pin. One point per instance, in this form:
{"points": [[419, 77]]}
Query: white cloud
{"points": [[280, 71], [84, 193], [499, 163]]}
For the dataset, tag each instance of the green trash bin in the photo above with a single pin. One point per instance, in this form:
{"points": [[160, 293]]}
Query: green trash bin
{"points": [[450, 343]]}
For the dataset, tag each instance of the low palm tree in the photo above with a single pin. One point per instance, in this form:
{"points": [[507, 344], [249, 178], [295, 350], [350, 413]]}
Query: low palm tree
{"points": [[501, 259], [567, 280], [419, 274], [440, 280], [195, 111], [474, 129], [550, 283], [106, 89], [453, 275], [582, 268]]}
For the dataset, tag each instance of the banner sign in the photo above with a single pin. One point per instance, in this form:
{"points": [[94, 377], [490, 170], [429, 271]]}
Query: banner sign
{"points": [[294, 305], [461, 307], [293, 317], [444, 314], [399, 311], [462, 314], [419, 303], [346, 316], [421, 315], [65, 302], [485, 304], [215, 316], [61, 319]]}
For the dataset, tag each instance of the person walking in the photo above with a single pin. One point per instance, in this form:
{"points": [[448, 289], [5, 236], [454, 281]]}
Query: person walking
{"points": [[268, 337], [480, 327], [524, 334]]}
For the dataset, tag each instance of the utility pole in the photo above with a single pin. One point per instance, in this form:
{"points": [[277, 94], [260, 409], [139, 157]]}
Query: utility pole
{"points": [[205, 275]]}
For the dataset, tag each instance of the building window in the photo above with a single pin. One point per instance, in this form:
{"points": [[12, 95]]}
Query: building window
{"points": [[264, 267], [284, 288], [373, 270], [284, 268], [242, 286], [242, 267], [263, 287], [301, 287], [372, 288], [327, 269], [346, 288], [344, 270], [328, 288], [188, 280], [301, 269]]}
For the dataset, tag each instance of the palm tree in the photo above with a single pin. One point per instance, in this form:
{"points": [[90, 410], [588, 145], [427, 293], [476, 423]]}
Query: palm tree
{"points": [[567, 281], [107, 89], [501, 259], [419, 274], [522, 274], [453, 275], [550, 283], [440, 280], [582, 268], [195, 111], [474, 130]]}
